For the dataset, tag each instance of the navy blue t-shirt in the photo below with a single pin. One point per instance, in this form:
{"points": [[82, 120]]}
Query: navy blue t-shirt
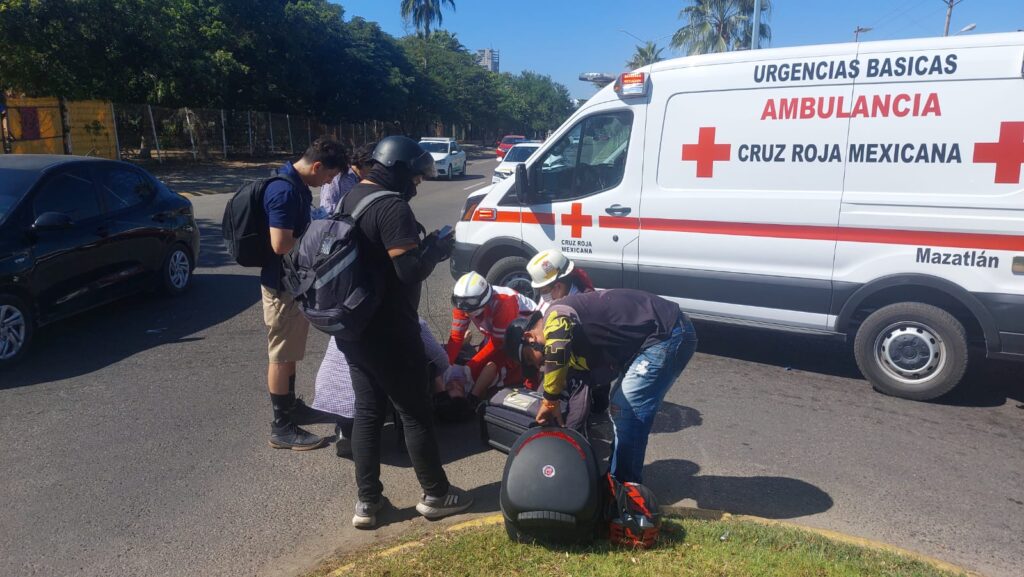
{"points": [[287, 207]]}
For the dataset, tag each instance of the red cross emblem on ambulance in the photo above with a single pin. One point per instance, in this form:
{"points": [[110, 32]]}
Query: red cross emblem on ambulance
{"points": [[706, 152], [576, 220], [1007, 154]]}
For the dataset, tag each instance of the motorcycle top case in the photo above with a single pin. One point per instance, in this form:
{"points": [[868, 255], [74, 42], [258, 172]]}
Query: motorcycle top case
{"points": [[550, 490]]}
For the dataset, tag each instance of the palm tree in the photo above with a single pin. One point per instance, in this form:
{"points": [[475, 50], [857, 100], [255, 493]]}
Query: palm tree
{"points": [[719, 25], [649, 53], [423, 13]]}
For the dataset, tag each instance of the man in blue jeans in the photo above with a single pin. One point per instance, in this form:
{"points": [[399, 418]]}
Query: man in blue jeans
{"points": [[607, 333]]}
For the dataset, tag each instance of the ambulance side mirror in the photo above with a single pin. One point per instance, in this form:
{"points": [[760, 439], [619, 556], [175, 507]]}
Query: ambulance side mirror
{"points": [[524, 185]]}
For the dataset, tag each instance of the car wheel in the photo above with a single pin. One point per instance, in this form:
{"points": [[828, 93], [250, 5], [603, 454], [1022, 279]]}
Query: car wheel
{"points": [[176, 275], [912, 350], [451, 175], [16, 329], [511, 272]]}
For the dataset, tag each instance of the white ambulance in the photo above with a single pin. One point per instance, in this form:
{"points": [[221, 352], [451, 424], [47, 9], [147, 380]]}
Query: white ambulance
{"points": [[869, 190]]}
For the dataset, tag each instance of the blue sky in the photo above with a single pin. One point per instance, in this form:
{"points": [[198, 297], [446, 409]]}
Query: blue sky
{"points": [[563, 38]]}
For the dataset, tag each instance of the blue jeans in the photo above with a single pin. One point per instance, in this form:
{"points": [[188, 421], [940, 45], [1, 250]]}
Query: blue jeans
{"points": [[637, 399]]}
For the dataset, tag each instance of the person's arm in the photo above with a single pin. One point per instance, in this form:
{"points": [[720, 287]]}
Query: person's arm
{"points": [[281, 240], [279, 203], [460, 324], [435, 354], [558, 332]]}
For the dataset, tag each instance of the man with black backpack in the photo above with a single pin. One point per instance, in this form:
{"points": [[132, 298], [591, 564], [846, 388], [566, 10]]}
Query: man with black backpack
{"points": [[286, 202], [387, 358]]}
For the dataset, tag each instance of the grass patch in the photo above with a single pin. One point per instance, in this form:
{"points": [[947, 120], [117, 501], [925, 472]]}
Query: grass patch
{"points": [[687, 548]]}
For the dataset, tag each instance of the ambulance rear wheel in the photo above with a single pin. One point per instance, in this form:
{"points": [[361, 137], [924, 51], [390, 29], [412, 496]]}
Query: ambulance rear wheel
{"points": [[912, 350], [511, 272]]}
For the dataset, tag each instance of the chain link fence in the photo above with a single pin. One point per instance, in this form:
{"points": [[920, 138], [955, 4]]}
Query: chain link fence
{"points": [[200, 134]]}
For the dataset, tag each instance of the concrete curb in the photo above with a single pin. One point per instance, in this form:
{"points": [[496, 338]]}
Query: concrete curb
{"points": [[694, 513]]}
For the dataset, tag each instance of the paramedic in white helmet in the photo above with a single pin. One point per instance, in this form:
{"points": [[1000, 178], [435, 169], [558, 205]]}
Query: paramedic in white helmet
{"points": [[491, 309], [556, 277]]}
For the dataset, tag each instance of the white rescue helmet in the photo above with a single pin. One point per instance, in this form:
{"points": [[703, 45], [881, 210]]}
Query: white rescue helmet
{"points": [[547, 267], [471, 293]]}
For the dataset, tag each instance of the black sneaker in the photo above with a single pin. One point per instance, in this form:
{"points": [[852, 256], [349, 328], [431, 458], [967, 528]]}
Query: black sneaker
{"points": [[366, 514], [343, 446], [289, 436], [302, 414], [456, 501]]}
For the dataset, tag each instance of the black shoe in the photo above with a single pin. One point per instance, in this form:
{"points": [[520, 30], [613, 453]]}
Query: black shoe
{"points": [[343, 446], [302, 414], [289, 436], [456, 501]]}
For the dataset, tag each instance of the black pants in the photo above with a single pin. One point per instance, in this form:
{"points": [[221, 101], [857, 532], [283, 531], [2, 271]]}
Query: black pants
{"points": [[394, 368]]}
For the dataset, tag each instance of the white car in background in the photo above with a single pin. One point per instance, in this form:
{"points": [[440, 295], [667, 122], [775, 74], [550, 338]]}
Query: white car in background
{"points": [[448, 157], [515, 156]]}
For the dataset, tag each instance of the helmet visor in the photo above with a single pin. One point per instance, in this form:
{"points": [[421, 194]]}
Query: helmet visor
{"points": [[469, 304], [423, 165]]}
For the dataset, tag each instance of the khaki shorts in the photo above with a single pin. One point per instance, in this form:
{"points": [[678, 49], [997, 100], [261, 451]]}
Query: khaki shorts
{"points": [[287, 329]]}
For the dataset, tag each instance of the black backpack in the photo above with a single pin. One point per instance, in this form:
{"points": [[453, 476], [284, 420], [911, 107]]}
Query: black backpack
{"points": [[323, 272], [245, 225]]}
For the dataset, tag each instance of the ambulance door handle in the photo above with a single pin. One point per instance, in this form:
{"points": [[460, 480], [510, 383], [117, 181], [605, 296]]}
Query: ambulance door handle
{"points": [[618, 210]]}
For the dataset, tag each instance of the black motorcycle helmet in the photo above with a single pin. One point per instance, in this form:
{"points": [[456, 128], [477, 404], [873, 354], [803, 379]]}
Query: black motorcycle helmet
{"points": [[514, 335], [404, 152]]}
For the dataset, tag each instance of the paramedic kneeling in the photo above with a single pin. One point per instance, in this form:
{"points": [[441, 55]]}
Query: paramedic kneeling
{"points": [[628, 330]]}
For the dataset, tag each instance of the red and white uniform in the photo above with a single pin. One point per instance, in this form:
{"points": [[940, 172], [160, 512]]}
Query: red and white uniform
{"points": [[504, 306]]}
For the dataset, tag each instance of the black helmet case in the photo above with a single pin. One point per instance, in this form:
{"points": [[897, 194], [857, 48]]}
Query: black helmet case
{"points": [[403, 159]]}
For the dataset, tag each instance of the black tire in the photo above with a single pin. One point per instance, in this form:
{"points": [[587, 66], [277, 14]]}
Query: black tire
{"points": [[912, 350], [511, 272], [17, 326], [451, 173], [176, 271]]}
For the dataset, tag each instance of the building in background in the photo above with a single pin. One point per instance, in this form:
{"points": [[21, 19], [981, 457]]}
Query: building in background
{"points": [[488, 58]]}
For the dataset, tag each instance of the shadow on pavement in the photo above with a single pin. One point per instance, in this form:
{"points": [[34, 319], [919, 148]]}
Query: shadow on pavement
{"points": [[988, 383], [214, 177], [109, 334], [672, 418], [213, 253], [673, 480]]}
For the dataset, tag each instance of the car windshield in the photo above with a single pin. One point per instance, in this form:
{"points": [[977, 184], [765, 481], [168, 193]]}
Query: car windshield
{"points": [[512, 139], [441, 147], [519, 153], [13, 185]]}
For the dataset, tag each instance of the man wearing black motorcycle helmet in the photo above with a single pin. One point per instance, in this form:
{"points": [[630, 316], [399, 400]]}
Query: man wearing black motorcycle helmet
{"points": [[388, 360]]}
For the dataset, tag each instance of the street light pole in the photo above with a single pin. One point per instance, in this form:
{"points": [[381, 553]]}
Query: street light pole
{"points": [[858, 31], [755, 33], [949, 13]]}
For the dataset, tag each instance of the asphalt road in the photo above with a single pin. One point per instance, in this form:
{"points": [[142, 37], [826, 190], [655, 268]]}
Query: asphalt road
{"points": [[135, 441]]}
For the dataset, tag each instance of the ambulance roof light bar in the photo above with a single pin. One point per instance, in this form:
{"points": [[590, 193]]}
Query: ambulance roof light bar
{"points": [[631, 84]]}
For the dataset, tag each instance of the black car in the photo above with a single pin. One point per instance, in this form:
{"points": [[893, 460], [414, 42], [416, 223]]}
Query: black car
{"points": [[78, 232]]}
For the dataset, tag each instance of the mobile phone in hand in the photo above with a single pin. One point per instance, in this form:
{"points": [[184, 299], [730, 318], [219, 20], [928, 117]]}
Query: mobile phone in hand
{"points": [[445, 231]]}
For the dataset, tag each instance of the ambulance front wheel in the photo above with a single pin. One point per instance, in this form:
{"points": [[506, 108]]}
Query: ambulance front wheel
{"points": [[511, 272], [912, 350]]}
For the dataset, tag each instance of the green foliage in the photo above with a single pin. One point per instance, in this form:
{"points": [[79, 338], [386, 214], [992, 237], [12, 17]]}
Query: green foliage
{"points": [[649, 53], [293, 56], [720, 26], [424, 13]]}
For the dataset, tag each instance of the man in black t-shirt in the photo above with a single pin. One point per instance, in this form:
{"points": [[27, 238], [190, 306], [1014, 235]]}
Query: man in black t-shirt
{"points": [[388, 360]]}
